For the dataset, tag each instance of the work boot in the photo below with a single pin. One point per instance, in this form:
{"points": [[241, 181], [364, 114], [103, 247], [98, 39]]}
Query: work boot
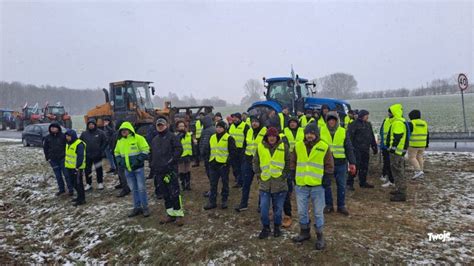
{"points": [[135, 212], [398, 197], [77, 203], [303, 236], [343, 210], [210, 206], [265, 232], [320, 245], [60, 193], [240, 208], [224, 205], [167, 219], [146, 212], [277, 230], [123, 193], [328, 209], [179, 221], [287, 221], [367, 185]]}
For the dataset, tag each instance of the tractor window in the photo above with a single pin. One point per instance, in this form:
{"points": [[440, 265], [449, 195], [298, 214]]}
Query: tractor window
{"points": [[281, 92], [143, 96], [57, 110]]}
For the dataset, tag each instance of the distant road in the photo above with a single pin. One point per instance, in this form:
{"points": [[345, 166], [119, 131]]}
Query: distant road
{"points": [[10, 134]]}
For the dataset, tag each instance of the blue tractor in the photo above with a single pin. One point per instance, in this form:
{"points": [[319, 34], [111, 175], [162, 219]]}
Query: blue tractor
{"points": [[297, 94]]}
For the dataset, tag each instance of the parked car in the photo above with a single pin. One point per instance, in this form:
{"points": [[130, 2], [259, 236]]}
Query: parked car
{"points": [[35, 134]]}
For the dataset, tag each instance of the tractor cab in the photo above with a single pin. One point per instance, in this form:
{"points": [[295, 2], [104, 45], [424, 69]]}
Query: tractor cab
{"points": [[129, 95]]}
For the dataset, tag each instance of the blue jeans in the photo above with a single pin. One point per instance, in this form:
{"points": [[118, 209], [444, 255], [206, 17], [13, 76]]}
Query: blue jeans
{"points": [[247, 174], [136, 182], [60, 171], [110, 157], [340, 172], [277, 200], [316, 195]]}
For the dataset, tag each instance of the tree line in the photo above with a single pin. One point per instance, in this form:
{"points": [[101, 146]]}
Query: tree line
{"points": [[14, 95]]}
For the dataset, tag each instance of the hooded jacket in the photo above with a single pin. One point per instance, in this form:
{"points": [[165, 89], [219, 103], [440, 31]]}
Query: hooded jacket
{"points": [[166, 150], [80, 149], [131, 151], [348, 148], [54, 144], [362, 136], [207, 131], [398, 127], [95, 140]]}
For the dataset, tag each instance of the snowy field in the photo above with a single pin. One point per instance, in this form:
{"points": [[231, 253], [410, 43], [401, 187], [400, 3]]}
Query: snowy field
{"points": [[38, 227]]}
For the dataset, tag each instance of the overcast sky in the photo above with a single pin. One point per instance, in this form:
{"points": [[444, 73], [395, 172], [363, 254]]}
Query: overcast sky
{"points": [[211, 48]]}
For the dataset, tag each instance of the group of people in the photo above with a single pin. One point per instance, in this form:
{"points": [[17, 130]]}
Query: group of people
{"points": [[300, 155]]}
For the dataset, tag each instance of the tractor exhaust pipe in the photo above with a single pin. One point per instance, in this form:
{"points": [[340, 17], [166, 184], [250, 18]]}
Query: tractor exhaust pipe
{"points": [[106, 95]]}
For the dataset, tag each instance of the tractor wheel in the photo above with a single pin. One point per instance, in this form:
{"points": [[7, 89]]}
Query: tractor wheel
{"points": [[4, 126], [68, 124]]}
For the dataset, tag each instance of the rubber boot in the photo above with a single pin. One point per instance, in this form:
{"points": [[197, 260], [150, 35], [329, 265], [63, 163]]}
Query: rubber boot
{"points": [[320, 245], [304, 234]]}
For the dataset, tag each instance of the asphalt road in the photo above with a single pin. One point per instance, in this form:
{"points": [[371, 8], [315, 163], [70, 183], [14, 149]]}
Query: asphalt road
{"points": [[434, 146]]}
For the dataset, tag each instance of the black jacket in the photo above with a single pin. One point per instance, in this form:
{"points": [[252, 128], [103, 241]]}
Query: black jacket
{"points": [[362, 135], [110, 134], [95, 140], [54, 144], [166, 149], [207, 131]]}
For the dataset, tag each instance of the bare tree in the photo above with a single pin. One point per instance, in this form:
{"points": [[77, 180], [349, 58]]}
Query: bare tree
{"points": [[253, 92], [338, 85]]}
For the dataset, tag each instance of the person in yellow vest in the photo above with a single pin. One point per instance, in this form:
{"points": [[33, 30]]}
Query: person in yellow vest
{"points": [[322, 116], [348, 119], [254, 136], [397, 144], [238, 130], [314, 165], [271, 165], [246, 119], [283, 117], [293, 133], [386, 177], [342, 150], [419, 141], [75, 163], [131, 151], [306, 118], [197, 137], [184, 163], [223, 148]]}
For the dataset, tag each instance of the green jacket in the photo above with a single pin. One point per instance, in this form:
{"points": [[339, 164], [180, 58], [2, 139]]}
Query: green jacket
{"points": [[131, 151]]}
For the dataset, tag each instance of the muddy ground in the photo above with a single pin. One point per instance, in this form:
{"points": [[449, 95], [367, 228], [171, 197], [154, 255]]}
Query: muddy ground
{"points": [[38, 227]]}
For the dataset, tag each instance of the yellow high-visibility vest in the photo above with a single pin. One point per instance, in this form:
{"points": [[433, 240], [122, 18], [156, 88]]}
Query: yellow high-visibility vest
{"points": [[398, 125], [252, 143], [198, 129], [419, 135], [336, 144], [292, 139], [219, 149], [304, 121], [310, 168], [347, 121], [186, 142], [321, 122], [271, 165], [238, 134], [71, 155], [282, 121]]}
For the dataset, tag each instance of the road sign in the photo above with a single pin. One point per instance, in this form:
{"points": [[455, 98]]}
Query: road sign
{"points": [[462, 82]]}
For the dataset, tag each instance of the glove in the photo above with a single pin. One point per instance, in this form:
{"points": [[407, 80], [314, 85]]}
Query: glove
{"points": [[352, 169], [167, 178], [391, 150], [375, 150], [327, 180]]}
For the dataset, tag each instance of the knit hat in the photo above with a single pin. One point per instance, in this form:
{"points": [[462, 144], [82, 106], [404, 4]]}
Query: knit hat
{"points": [[272, 132], [363, 113], [221, 124], [238, 115], [312, 128], [218, 114]]}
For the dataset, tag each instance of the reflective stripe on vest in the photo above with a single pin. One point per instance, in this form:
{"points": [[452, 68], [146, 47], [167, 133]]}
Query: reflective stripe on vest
{"points": [[238, 134], [310, 169], [420, 133], [186, 142], [292, 139], [198, 129], [219, 150], [400, 149], [271, 165], [336, 143], [252, 143], [282, 121], [71, 155]]}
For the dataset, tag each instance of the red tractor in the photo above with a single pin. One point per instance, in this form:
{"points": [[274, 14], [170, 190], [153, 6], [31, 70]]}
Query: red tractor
{"points": [[56, 113], [28, 115]]}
